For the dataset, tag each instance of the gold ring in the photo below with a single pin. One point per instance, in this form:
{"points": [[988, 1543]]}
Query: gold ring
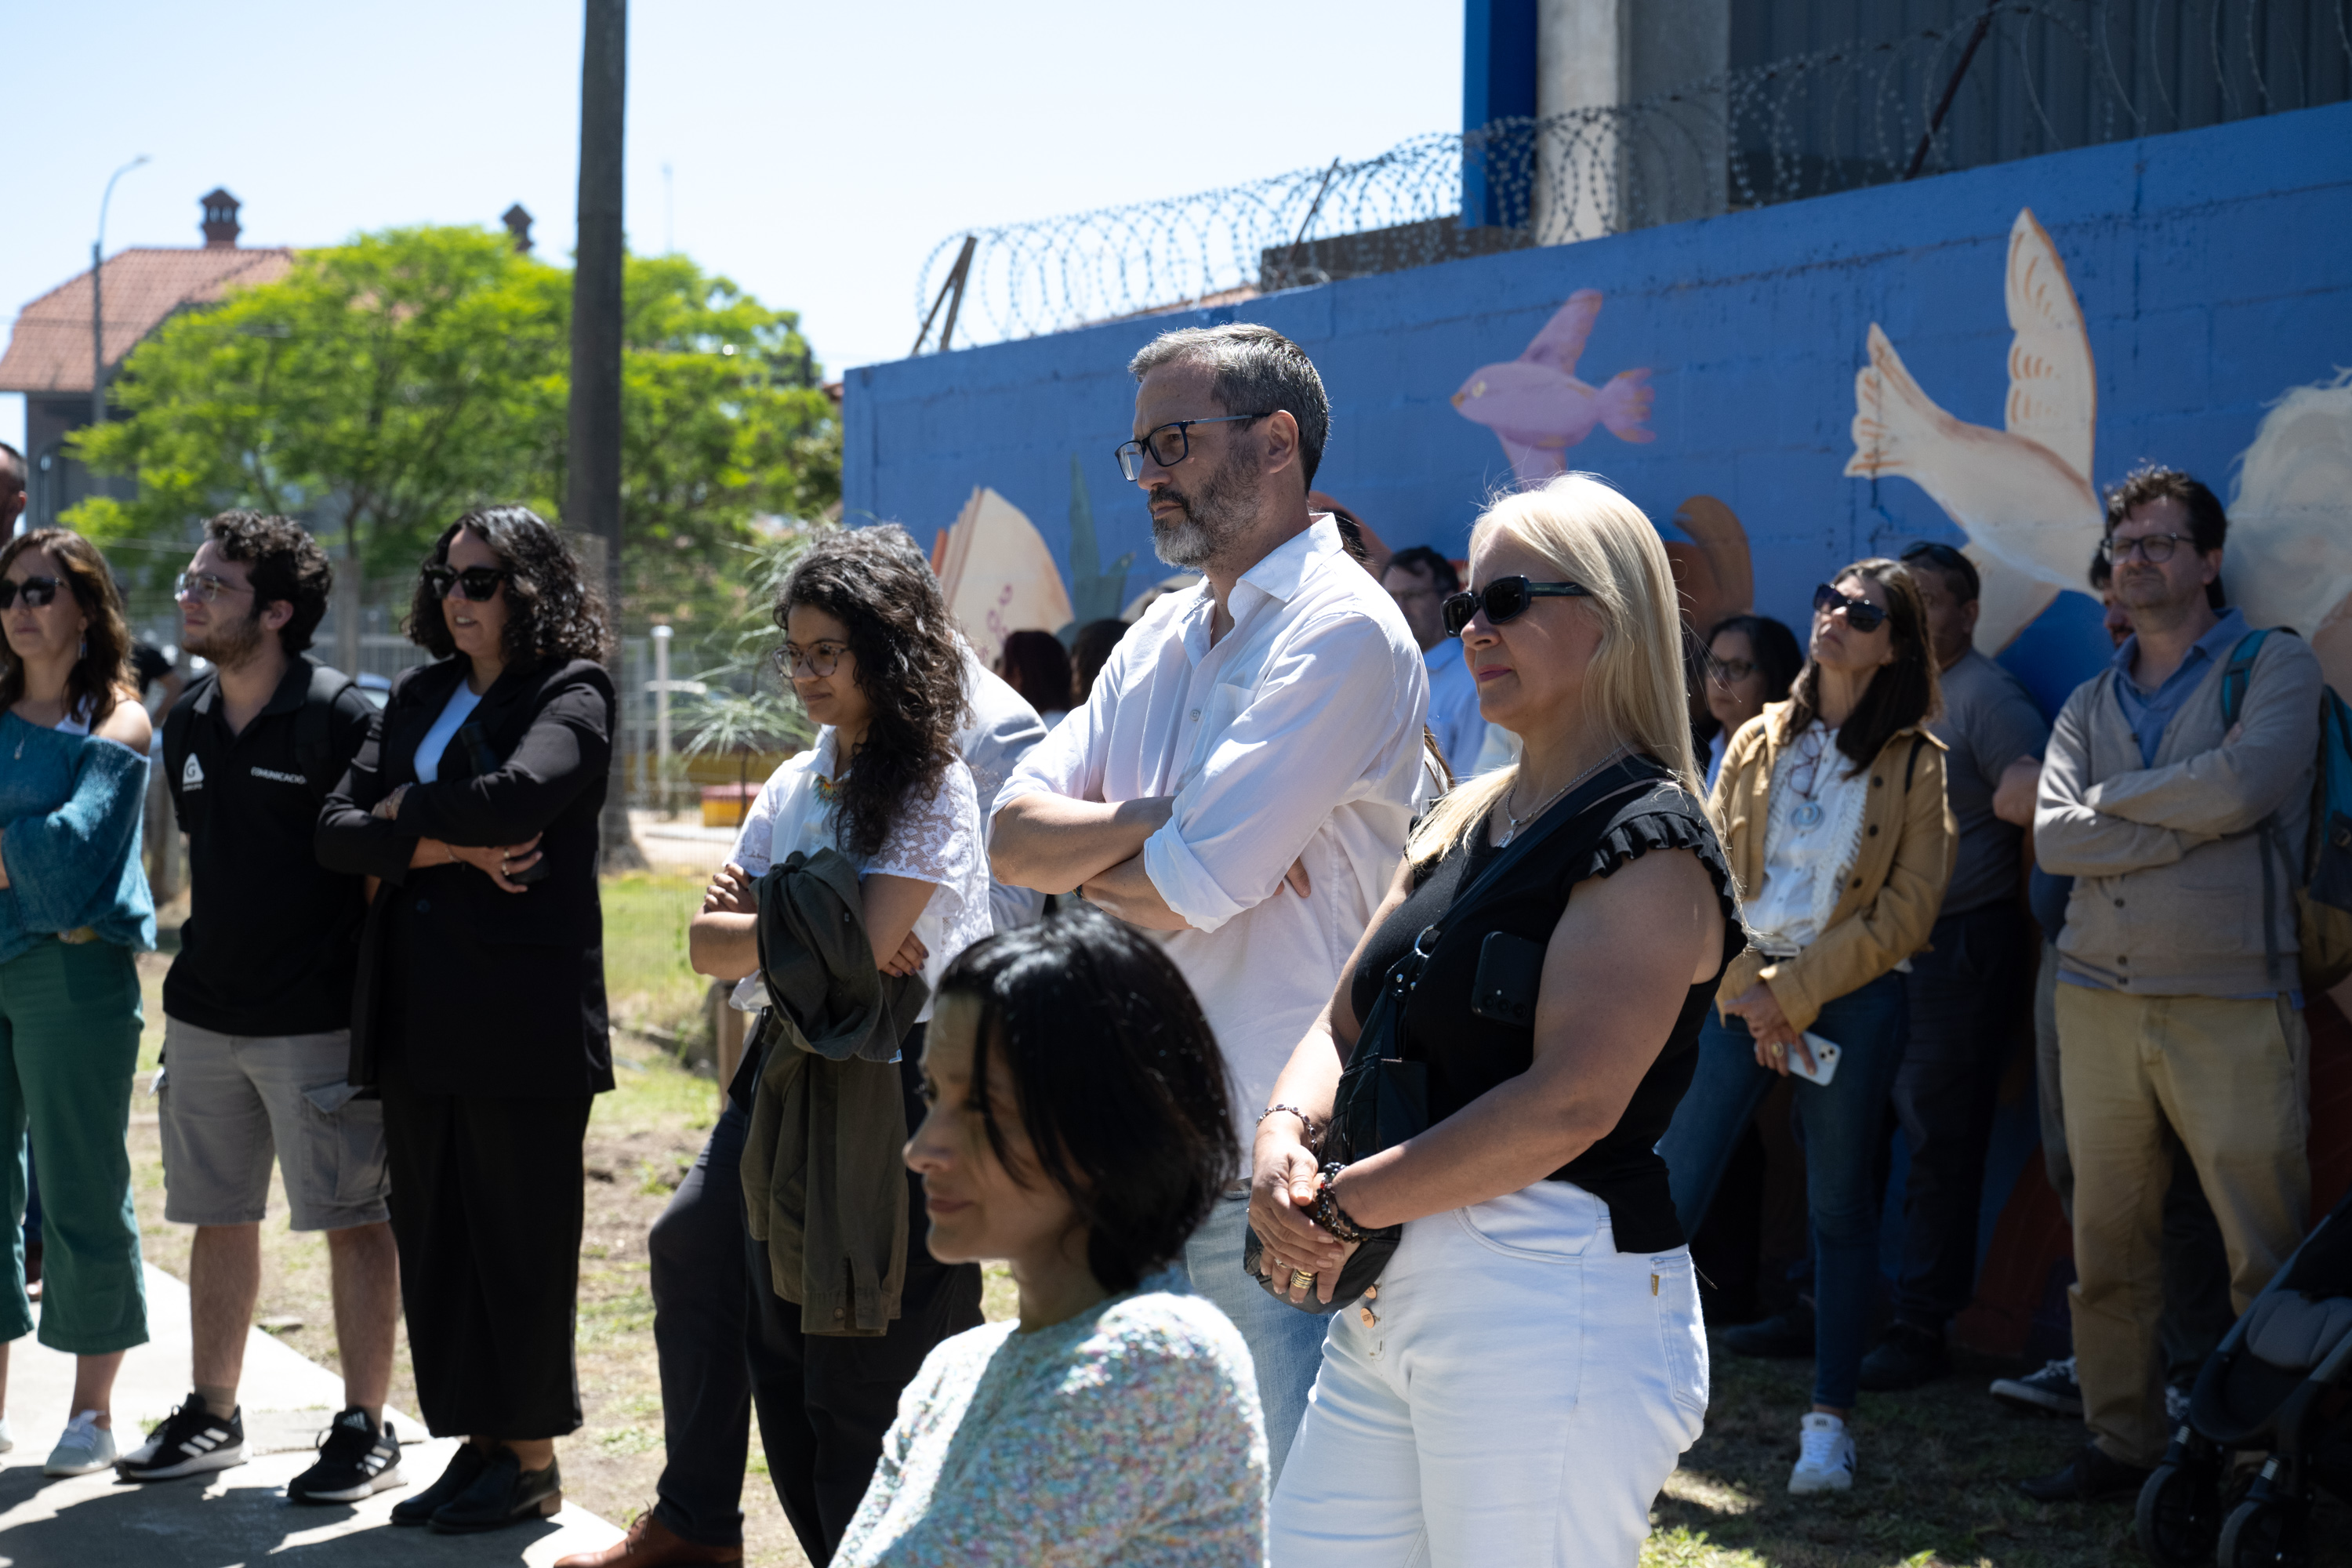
{"points": [[1300, 1279]]}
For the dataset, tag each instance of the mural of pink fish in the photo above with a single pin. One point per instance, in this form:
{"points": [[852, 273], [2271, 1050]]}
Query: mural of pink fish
{"points": [[1537, 408]]}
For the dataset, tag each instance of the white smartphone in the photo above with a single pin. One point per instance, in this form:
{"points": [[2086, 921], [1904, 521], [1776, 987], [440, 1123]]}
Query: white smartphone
{"points": [[1825, 1060]]}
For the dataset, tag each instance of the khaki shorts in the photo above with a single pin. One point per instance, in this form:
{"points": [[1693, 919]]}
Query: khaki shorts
{"points": [[231, 1104]]}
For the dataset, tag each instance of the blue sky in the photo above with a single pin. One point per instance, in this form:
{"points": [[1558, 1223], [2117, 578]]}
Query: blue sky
{"points": [[818, 151]]}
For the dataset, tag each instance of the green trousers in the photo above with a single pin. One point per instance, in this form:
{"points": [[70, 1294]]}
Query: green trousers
{"points": [[70, 1018]]}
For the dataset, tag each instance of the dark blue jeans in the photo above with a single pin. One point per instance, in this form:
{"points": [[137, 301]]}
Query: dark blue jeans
{"points": [[1841, 1127], [1968, 993]]}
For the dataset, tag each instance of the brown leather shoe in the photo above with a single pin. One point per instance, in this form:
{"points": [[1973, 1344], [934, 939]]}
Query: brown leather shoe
{"points": [[651, 1544]]}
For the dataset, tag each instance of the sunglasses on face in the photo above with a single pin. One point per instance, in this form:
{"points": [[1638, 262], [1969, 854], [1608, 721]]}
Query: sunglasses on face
{"points": [[1504, 599], [39, 592], [1860, 614], [476, 582]]}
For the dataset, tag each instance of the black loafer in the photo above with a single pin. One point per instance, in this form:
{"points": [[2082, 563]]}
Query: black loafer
{"points": [[2090, 1477], [466, 1467], [1906, 1357], [1784, 1336], [503, 1493]]}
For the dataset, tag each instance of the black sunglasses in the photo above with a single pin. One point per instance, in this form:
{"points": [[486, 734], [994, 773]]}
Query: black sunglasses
{"points": [[1860, 614], [39, 592], [476, 582], [1504, 599]]}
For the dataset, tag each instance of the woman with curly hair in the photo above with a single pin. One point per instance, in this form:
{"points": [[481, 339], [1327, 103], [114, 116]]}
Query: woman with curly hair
{"points": [[873, 655], [74, 906], [479, 1014]]}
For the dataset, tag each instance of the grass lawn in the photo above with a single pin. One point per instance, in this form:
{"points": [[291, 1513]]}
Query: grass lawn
{"points": [[1936, 1463]]}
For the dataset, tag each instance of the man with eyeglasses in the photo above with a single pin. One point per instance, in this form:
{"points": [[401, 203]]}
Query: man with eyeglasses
{"points": [[1967, 991], [257, 1005], [2178, 1012], [1418, 580], [1242, 776]]}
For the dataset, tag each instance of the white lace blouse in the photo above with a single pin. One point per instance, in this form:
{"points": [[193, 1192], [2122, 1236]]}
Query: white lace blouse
{"points": [[937, 840], [1812, 832]]}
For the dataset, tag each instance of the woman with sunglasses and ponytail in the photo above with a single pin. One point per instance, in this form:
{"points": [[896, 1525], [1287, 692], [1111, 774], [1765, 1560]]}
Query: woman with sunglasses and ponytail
{"points": [[1834, 814], [1518, 1383], [74, 908], [479, 1010]]}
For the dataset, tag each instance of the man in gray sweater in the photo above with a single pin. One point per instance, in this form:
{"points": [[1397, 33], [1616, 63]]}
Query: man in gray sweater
{"points": [[2177, 1015]]}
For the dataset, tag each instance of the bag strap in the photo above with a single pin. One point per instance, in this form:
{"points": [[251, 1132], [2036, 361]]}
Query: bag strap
{"points": [[314, 740], [2239, 674]]}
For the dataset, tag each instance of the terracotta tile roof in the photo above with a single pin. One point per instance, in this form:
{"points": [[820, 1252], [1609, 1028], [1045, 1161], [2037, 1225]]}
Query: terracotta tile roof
{"points": [[49, 351]]}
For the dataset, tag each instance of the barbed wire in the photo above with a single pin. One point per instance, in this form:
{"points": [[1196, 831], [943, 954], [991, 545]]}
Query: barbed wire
{"points": [[2048, 78]]}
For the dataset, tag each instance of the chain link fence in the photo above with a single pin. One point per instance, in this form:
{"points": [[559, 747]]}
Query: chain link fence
{"points": [[2043, 78]]}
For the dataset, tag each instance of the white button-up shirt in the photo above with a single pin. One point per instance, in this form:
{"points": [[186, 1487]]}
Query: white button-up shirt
{"points": [[1454, 716], [1296, 736]]}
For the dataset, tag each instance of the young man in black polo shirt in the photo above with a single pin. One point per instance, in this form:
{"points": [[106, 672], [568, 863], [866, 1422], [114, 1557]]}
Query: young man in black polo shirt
{"points": [[258, 1005]]}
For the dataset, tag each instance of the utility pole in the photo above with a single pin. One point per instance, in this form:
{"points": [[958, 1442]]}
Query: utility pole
{"points": [[98, 300], [592, 501]]}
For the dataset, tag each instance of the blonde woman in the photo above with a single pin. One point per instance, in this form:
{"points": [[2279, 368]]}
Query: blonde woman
{"points": [[1538, 1328]]}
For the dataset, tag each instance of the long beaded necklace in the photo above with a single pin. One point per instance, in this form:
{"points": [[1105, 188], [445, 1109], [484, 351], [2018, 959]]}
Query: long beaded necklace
{"points": [[1513, 830], [1813, 744]]}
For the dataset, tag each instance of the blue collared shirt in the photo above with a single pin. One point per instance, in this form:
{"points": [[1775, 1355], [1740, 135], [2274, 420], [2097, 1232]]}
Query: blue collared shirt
{"points": [[2150, 714], [1454, 716]]}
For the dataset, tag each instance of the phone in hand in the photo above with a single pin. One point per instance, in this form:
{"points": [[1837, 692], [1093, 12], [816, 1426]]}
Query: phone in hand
{"points": [[1826, 1054]]}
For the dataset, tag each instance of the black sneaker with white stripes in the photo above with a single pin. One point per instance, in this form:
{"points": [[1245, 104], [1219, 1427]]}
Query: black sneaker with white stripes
{"points": [[191, 1441], [355, 1462]]}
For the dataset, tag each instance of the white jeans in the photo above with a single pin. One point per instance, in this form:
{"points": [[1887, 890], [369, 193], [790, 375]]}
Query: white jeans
{"points": [[1522, 1396]]}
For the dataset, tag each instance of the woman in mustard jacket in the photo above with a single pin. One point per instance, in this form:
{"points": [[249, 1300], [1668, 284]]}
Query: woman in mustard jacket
{"points": [[1834, 817]]}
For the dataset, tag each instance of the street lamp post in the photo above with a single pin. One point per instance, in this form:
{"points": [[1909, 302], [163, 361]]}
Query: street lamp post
{"points": [[98, 300]]}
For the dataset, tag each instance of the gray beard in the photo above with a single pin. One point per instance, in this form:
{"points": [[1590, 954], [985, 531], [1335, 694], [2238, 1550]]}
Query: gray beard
{"points": [[1212, 521]]}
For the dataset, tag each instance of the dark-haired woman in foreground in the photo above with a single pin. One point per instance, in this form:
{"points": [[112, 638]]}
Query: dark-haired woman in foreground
{"points": [[1078, 1129], [1834, 817], [480, 1010]]}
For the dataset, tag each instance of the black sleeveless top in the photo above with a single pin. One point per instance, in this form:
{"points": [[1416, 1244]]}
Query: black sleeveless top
{"points": [[1468, 1054]]}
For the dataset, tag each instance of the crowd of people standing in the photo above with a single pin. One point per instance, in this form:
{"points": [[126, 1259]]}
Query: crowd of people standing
{"points": [[1338, 997]]}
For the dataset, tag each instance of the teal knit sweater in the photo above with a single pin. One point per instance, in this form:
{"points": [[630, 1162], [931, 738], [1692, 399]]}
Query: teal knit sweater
{"points": [[70, 812]]}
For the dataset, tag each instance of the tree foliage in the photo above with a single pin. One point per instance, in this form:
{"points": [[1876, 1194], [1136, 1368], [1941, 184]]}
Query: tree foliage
{"points": [[383, 387]]}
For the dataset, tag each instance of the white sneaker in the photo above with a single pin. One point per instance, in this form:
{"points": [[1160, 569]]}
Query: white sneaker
{"points": [[86, 1446], [1825, 1459], [6, 1442]]}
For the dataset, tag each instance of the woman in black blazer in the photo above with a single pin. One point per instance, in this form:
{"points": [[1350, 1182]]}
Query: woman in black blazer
{"points": [[479, 1012]]}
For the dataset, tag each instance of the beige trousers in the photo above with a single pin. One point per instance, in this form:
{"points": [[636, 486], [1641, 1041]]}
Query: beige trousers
{"points": [[2230, 1080]]}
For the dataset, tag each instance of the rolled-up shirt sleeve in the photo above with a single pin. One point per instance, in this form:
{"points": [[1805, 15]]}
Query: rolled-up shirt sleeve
{"points": [[1324, 713], [1063, 763]]}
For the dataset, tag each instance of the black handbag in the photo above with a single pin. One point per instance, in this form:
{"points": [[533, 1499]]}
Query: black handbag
{"points": [[1383, 1097]]}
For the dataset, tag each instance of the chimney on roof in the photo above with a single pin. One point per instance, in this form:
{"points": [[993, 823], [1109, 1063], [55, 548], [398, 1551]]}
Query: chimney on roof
{"points": [[518, 221], [221, 227]]}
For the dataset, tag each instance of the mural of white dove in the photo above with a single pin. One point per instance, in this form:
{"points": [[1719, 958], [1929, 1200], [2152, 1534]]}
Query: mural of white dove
{"points": [[1537, 407], [2289, 558], [2022, 495]]}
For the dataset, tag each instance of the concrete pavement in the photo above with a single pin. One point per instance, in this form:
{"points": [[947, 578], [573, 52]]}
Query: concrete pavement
{"points": [[236, 1516]]}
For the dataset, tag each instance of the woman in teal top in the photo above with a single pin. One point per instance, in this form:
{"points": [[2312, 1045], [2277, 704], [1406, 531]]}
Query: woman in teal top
{"points": [[74, 906]]}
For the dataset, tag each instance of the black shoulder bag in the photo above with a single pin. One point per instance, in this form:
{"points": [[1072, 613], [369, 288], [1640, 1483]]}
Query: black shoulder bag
{"points": [[1383, 1097]]}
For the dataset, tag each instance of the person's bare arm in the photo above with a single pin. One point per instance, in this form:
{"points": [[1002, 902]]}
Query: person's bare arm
{"points": [[1054, 843], [722, 943], [1622, 960], [2012, 797], [1128, 891]]}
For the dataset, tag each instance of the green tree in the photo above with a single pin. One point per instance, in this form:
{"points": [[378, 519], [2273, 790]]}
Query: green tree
{"points": [[383, 387]]}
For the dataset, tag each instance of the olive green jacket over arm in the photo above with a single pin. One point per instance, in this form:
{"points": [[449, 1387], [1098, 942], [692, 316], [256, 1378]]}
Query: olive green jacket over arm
{"points": [[1892, 893]]}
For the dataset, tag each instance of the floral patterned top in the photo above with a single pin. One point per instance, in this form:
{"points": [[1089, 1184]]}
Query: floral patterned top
{"points": [[1128, 1435]]}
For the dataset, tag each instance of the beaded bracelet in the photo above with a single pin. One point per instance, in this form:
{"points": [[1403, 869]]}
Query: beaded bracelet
{"points": [[1326, 1211], [1312, 1135]]}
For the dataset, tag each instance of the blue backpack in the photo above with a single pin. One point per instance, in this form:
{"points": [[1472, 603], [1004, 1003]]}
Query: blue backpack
{"points": [[2323, 883]]}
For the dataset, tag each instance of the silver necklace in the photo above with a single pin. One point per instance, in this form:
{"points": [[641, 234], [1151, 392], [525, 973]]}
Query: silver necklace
{"points": [[1814, 744], [1513, 830]]}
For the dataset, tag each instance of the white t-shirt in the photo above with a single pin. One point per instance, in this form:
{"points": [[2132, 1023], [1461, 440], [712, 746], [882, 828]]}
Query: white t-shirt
{"points": [[936, 840], [1813, 831], [453, 714]]}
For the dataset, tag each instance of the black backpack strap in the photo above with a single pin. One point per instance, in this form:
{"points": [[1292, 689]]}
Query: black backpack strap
{"points": [[314, 734], [1911, 768]]}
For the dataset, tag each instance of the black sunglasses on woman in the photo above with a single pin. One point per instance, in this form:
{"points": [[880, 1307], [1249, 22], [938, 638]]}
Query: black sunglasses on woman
{"points": [[476, 582], [1860, 613], [1504, 599], [39, 592]]}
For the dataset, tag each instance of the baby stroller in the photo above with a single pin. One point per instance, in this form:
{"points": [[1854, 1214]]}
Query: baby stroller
{"points": [[2280, 1383]]}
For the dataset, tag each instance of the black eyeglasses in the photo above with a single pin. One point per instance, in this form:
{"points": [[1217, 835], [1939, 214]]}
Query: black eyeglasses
{"points": [[2156, 548], [39, 592], [1170, 444], [1504, 599], [1860, 614], [476, 582]]}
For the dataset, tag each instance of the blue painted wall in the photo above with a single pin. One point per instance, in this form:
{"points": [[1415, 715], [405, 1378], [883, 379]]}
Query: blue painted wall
{"points": [[2210, 265]]}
